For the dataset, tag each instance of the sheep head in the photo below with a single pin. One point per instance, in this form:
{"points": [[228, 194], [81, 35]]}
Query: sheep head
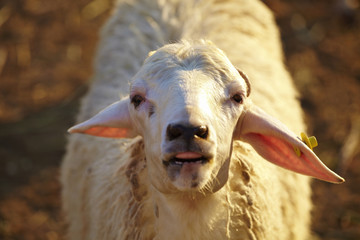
{"points": [[189, 103]]}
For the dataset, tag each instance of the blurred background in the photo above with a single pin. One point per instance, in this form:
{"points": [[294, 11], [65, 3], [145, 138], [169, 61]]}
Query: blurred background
{"points": [[46, 52]]}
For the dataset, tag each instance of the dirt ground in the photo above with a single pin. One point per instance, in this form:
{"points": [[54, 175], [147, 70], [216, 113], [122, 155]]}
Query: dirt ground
{"points": [[46, 50]]}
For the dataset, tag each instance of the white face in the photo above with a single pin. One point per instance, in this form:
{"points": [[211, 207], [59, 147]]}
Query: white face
{"points": [[188, 103], [186, 109]]}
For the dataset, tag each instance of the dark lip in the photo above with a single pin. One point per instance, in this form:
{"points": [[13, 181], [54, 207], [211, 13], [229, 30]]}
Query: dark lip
{"points": [[180, 162]]}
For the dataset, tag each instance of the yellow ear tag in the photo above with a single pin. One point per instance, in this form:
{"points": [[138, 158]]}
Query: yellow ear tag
{"points": [[311, 142]]}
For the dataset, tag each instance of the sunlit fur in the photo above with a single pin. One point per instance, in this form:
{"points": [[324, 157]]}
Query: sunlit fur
{"points": [[117, 189]]}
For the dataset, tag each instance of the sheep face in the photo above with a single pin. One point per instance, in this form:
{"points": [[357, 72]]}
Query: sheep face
{"points": [[189, 103], [185, 102]]}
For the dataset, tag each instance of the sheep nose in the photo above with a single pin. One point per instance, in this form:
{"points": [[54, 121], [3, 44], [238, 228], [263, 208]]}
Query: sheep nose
{"points": [[187, 132]]}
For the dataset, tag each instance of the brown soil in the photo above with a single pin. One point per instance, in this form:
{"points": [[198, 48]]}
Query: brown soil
{"points": [[46, 50]]}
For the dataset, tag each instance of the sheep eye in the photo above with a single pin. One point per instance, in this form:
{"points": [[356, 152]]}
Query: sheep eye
{"points": [[237, 98], [137, 100]]}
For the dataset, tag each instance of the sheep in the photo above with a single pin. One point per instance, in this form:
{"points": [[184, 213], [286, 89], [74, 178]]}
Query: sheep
{"points": [[191, 139]]}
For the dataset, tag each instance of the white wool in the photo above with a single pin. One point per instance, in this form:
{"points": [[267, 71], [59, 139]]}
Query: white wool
{"points": [[106, 191]]}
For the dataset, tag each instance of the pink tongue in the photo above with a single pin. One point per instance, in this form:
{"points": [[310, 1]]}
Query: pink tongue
{"points": [[188, 155]]}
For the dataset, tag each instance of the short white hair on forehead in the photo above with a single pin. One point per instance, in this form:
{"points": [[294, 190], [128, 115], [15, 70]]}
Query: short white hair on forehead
{"points": [[188, 55]]}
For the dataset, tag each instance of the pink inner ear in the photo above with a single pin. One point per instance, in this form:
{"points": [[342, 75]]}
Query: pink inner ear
{"points": [[282, 153], [108, 132], [112, 122]]}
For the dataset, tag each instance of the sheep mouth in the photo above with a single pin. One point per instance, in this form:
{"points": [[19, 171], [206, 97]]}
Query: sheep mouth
{"points": [[181, 159], [180, 162]]}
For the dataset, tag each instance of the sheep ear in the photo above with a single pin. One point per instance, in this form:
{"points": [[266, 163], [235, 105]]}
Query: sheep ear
{"points": [[276, 143], [112, 122]]}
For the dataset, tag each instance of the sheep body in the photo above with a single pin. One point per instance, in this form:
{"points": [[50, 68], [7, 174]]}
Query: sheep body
{"points": [[106, 192]]}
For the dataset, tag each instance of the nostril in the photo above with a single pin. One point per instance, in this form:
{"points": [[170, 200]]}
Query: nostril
{"points": [[201, 132], [174, 131]]}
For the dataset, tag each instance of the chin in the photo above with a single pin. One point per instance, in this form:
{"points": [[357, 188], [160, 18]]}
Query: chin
{"points": [[190, 176]]}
